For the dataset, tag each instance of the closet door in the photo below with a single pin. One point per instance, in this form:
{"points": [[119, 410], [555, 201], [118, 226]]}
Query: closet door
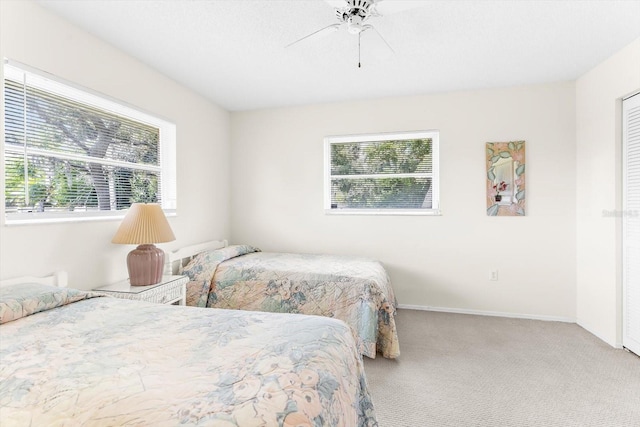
{"points": [[631, 224]]}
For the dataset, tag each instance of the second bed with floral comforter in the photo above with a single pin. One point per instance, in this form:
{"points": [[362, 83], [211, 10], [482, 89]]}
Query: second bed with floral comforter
{"points": [[353, 289]]}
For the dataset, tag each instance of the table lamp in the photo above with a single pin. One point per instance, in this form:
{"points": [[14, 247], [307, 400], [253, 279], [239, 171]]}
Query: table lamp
{"points": [[144, 225]]}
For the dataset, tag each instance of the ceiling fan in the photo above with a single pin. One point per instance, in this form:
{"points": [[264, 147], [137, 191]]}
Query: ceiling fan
{"points": [[354, 15]]}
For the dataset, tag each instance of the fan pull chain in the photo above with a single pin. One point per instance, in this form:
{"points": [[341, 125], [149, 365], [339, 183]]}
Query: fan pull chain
{"points": [[359, 34]]}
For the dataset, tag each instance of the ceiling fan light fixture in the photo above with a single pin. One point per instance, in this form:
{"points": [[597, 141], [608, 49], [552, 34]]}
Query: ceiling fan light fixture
{"points": [[354, 24]]}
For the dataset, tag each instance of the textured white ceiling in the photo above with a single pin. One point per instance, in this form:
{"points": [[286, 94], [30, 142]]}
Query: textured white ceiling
{"points": [[233, 51]]}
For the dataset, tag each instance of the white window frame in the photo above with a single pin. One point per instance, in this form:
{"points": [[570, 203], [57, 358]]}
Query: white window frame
{"points": [[58, 86], [434, 135]]}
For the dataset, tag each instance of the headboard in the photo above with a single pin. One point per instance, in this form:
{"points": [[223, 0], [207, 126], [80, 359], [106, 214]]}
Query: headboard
{"points": [[182, 256], [59, 279]]}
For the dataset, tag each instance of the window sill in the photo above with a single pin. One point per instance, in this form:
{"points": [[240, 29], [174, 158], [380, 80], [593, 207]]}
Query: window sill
{"points": [[386, 212], [57, 218]]}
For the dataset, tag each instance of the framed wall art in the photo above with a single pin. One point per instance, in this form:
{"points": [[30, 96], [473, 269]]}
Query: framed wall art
{"points": [[506, 178]]}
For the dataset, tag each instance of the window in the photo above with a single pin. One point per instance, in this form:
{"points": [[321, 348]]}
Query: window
{"points": [[394, 173], [71, 154]]}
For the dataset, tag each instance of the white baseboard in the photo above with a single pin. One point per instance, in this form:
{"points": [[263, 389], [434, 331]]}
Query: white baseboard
{"points": [[592, 331], [489, 313]]}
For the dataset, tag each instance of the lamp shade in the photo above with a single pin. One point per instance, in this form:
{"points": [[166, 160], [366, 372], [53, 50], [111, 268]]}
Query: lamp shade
{"points": [[144, 225]]}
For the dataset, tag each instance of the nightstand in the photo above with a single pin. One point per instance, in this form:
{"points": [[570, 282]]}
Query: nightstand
{"points": [[171, 289]]}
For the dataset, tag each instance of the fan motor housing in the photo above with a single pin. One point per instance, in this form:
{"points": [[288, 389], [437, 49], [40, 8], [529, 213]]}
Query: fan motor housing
{"points": [[354, 14], [355, 8]]}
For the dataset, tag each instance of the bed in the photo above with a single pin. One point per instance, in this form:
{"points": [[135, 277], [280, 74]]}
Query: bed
{"points": [[353, 289], [69, 357]]}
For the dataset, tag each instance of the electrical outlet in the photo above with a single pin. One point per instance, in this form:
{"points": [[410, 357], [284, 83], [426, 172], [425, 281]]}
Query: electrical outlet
{"points": [[494, 275]]}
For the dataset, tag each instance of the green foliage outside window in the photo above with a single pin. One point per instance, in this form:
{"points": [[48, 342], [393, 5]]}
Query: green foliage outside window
{"points": [[352, 165], [63, 127]]}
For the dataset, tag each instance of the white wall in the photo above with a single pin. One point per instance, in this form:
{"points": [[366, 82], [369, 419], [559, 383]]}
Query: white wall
{"points": [[277, 197], [433, 261], [598, 132], [33, 36]]}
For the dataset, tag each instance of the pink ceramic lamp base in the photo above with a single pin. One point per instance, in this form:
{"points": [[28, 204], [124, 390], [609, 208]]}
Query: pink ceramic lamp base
{"points": [[145, 264]]}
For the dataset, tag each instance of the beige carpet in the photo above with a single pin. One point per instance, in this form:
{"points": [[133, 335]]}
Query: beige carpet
{"points": [[460, 370]]}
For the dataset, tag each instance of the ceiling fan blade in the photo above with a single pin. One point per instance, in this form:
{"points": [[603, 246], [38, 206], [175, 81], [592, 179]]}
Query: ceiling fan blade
{"points": [[337, 4], [387, 7], [374, 46], [375, 30], [316, 34]]}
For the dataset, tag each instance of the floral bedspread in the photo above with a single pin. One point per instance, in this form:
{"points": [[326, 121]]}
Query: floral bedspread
{"points": [[113, 362], [353, 289]]}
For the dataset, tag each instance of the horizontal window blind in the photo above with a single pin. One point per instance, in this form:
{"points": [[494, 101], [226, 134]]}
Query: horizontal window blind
{"points": [[384, 173], [67, 150]]}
